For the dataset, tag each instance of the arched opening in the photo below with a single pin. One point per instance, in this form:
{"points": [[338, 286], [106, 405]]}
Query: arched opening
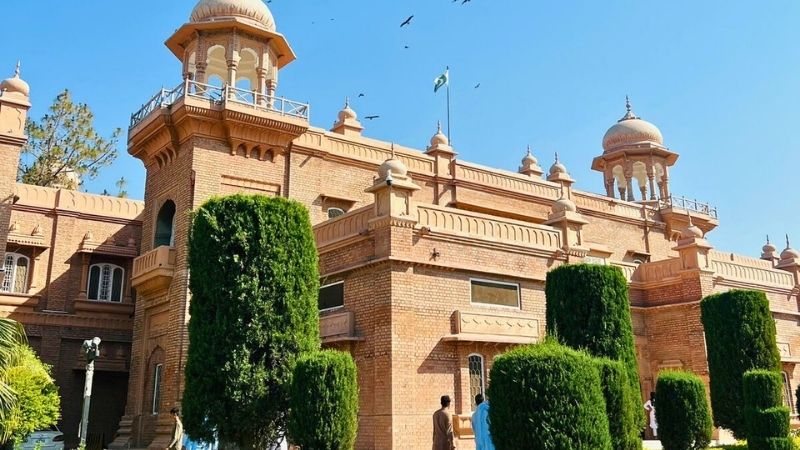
{"points": [[640, 174], [476, 381], [105, 283], [155, 369], [619, 176], [165, 224], [16, 277]]}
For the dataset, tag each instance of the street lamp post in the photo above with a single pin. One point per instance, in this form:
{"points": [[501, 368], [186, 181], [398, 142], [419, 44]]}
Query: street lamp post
{"points": [[91, 348]]}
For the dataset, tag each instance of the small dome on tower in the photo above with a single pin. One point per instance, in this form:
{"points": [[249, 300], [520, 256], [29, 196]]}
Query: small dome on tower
{"points": [[631, 129], [347, 113], [255, 12], [557, 167], [439, 138], [769, 247], [15, 84], [789, 252], [529, 159], [692, 231], [564, 204], [393, 165]]}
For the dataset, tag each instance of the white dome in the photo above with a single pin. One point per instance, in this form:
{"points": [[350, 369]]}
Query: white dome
{"points": [[439, 138], [347, 112], [631, 130], [254, 11]]}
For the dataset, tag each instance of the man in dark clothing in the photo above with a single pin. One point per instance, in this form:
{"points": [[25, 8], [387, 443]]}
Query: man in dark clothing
{"points": [[443, 438]]}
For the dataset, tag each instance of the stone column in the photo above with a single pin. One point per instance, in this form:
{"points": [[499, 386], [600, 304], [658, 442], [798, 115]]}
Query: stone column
{"points": [[82, 293], [629, 187], [610, 187]]}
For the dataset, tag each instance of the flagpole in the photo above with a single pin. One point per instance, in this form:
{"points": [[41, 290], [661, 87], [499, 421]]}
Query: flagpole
{"points": [[449, 136]]}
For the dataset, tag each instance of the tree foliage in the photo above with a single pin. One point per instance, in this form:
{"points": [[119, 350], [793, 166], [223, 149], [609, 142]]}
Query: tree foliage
{"points": [[12, 335], [549, 397], [740, 336], [64, 148], [37, 404], [766, 418], [619, 410], [324, 401], [684, 419], [588, 308], [254, 284]]}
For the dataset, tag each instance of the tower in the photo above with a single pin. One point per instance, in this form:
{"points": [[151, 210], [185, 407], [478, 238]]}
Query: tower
{"points": [[222, 130], [14, 105], [633, 150]]}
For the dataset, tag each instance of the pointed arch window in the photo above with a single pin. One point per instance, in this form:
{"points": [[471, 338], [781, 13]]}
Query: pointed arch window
{"points": [[105, 283], [476, 381], [16, 273]]}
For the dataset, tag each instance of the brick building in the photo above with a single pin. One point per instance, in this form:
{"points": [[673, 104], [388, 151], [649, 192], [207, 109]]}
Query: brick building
{"points": [[430, 265]]}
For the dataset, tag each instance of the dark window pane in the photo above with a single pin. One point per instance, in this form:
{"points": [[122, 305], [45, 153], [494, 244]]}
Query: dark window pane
{"points": [[116, 288], [94, 282], [164, 224], [331, 296], [489, 293]]}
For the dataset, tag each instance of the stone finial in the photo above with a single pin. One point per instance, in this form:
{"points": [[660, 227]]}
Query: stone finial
{"points": [[37, 231], [347, 122], [88, 237], [17, 69], [558, 173], [530, 165], [14, 227], [629, 114]]}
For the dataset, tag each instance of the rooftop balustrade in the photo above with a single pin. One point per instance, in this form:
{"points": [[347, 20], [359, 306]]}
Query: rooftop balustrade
{"points": [[690, 205], [220, 95]]}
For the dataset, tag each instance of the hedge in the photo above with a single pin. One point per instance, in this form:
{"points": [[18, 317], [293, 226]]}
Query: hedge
{"points": [[324, 401], [682, 412], [588, 308], [549, 397], [254, 284], [622, 419], [762, 389], [740, 336], [766, 418]]}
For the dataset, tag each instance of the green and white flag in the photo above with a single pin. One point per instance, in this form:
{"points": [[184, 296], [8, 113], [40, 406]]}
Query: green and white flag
{"points": [[441, 80]]}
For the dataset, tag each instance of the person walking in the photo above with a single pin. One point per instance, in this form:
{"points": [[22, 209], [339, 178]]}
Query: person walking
{"points": [[177, 431], [443, 438], [480, 425], [650, 406]]}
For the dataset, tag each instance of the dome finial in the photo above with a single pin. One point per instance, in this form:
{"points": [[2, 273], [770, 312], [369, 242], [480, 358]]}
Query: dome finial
{"points": [[768, 239], [347, 102], [787, 241], [439, 126], [557, 161], [629, 114], [17, 70], [393, 151], [529, 149]]}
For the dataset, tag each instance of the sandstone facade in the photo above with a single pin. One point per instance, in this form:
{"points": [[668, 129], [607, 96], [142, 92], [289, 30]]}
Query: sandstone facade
{"points": [[431, 266]]}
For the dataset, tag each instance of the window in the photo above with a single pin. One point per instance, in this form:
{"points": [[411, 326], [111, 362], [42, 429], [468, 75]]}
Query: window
{"points": [[335, 212], [495, 293], [157, 388], [331, 296], [105, 283], [594, 260], [475, 378], [16, 273], [787, 393], [165, 223]]}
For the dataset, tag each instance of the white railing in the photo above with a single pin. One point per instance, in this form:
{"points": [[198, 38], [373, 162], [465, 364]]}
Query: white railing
{"points": [[691, 205], [220, 95]]}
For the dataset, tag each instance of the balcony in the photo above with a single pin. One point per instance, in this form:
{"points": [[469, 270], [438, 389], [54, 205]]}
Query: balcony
{"points": [[153, 271], [338, 327], [221, 96], [689, 205], [496, 328]]}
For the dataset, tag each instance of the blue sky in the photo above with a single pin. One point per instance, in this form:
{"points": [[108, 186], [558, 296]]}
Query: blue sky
{"points": [[721, 80]]}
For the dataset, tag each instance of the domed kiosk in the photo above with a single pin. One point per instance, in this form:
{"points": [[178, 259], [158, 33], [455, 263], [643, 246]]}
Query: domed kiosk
{"points": [[633, 150]]}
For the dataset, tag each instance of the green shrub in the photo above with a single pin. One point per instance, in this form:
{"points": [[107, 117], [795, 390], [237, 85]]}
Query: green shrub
{"points": [[254, 284], [770, 444], [324, 401], [548, 397], [588, 308], [740, 336], [622, 419], [768, 423], [762, 389], [684, 419]]}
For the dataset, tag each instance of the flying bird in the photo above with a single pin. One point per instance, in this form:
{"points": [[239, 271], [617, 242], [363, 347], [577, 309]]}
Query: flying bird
{"points": [[477, 86], [407, 21], [465, 2], [362, 95], [405, 46], [372, 117]]}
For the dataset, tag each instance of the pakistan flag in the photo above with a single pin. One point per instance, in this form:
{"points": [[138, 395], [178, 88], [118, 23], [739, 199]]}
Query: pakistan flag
{"points": [[441, 80]]}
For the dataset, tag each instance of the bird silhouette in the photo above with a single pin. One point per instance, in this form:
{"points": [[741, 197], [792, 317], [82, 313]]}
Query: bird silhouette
{"points": [[362, 95], [372, 117], [407, 21], [477, 86], [465, 2]]}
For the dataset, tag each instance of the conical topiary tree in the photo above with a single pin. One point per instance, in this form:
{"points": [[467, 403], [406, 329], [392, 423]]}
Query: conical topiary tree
{"points": [[254, 284], [588, 308]]}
